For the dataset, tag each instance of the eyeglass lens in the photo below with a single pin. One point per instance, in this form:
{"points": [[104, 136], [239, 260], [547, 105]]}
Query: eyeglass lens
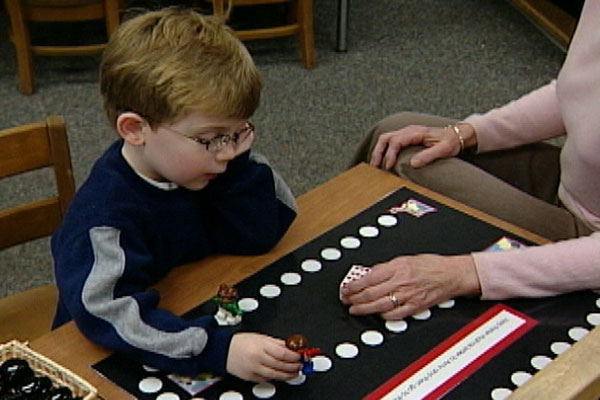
{"points": [[218, 143]]}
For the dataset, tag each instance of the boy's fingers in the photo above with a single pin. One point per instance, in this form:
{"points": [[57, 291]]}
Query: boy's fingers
{"points": [[287, 367], [284, 355], [268, 374], [279, 352]]}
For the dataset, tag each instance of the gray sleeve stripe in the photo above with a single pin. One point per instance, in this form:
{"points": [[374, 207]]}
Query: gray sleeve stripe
{"points": [[123, 313], [282, 190]]}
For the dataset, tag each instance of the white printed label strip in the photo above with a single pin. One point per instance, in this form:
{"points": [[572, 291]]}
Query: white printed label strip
{"points": [[457, 357]]}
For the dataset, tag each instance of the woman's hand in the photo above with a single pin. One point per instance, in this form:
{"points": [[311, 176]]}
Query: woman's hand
{"points": [[410, 284], [259, 358], [440, 143]]}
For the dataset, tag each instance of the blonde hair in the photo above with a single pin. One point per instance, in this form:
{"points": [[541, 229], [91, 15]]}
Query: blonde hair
{"points": [[164, 64]]}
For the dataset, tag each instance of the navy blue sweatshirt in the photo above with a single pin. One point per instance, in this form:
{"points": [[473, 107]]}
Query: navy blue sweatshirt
{"points": [[123, 234]]}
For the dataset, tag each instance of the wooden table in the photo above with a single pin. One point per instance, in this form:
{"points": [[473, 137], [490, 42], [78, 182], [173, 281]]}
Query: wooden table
{"points": [[568, 377]]}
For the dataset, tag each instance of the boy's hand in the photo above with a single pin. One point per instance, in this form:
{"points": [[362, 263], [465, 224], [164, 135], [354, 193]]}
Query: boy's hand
{"points": [[259, 358]]}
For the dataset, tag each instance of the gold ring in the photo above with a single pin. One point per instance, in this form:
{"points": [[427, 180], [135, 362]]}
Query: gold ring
{"points": [[393, 299]]}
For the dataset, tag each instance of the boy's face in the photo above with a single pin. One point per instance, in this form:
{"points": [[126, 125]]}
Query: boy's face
{"points": [[179, 152]]}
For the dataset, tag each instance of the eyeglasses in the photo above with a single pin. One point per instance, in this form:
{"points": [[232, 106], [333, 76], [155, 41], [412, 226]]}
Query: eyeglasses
{"points": [[219, 142]]}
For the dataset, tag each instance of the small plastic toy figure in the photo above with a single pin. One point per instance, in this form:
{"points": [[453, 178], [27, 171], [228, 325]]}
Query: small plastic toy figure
{"points": [[229, 312], [299, 344]]}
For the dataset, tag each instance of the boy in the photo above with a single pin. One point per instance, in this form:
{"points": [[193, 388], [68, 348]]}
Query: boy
{"points": [[180, 184]]}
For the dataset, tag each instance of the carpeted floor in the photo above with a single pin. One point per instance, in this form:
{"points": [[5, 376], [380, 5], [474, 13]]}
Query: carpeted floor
{"points": [[446, 57]]}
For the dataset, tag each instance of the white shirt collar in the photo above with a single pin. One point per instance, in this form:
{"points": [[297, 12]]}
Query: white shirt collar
{"points": [[158, 184]]}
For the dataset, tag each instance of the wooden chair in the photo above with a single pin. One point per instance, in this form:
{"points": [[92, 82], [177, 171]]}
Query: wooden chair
{"points": [[21, 12], [25, 148], [300, 23]]}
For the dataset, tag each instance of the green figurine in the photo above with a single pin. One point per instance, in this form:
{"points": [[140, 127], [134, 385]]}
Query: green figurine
{"points": [[229, 312]]}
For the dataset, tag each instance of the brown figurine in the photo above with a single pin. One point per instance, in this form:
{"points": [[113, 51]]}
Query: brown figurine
{"points": [[299, 344]]}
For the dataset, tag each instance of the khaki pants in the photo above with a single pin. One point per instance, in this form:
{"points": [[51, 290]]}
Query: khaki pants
{"points": [[517, 185]]}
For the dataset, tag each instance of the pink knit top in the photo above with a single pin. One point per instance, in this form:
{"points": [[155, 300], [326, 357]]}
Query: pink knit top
{"points": [[570, 104]]}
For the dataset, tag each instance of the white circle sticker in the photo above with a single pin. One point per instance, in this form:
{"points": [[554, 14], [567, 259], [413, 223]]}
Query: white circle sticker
{"points": [[368, 231], [423, 315], [447, 304], [396, 326], [371, 338], [248, 304], [298, 380], [559, 347], [387, 220], [231, 395], [321, 363], [311, 265], [291, 278], [150, 385], [168, 396], [346, 350], [520, 377], [350, 242], [331, 254], [269, 291], [501, 393], [577, 333], [539, 362], [593, 319], [264, 390]]}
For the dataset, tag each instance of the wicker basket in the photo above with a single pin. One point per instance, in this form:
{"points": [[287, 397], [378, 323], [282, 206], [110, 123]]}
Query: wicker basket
{"points": [[43, 366]]}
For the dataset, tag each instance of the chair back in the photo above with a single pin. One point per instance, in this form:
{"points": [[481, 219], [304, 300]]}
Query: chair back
{"points": [[22, 12], [300, 23], [27, 148]]}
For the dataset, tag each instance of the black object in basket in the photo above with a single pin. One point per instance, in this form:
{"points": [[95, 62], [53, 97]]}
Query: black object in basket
{"points": [[44, 367]]}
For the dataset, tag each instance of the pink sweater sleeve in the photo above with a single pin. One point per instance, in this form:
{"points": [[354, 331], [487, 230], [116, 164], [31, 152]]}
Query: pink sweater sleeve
{"points": [[540, 271], [533, 117]]}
